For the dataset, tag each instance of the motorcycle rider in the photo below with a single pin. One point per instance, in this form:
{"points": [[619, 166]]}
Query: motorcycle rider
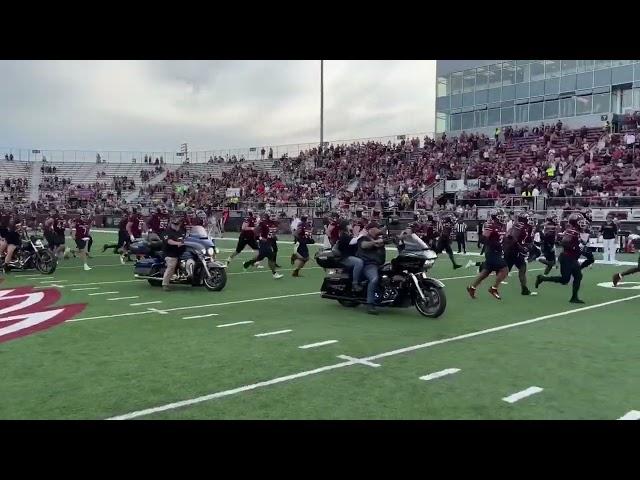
{"points": [[373, 254], [13, 240], [347, 247], [173, 249]]}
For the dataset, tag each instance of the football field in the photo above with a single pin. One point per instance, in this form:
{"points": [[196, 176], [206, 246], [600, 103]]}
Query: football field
{"points": [[273, 349]]}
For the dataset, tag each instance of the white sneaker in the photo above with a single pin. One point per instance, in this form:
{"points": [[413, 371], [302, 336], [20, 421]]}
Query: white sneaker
{"points": [[86, 267], [122, 259], [260, 266], [277, 275]]}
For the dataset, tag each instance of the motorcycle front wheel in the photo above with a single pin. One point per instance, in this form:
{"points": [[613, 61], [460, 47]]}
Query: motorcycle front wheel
{"points": [[217, 281], [435, 304], [46, 263]]}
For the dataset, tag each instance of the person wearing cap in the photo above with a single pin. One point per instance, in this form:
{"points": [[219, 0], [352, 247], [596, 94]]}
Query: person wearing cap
{"points": [[373, 254], [173, 249]]}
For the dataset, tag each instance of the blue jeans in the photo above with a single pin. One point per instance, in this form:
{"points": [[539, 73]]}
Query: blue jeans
{"points": [[371, 273], [357, 265]]}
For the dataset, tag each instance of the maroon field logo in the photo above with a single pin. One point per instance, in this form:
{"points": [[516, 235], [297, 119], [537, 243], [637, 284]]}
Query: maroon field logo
{"points": [[24, 311]]}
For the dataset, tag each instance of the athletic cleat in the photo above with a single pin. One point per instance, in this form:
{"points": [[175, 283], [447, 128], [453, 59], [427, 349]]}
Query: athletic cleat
{"points": [[472, 292], [260, 265], [122, 259], [493, 291], [104, 248], [296, 273], [526, 291], [576, 300], [538, 280], [277, 275], [277, 266], [455, 267], [86, 267], [616, 278]]}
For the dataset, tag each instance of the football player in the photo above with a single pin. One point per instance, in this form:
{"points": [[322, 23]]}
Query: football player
{"points": [[158, 224], [444, 239], [516, 249], [548, 242], [569, 266], [247, 235], [333, 229], [303, 237], [122, 247], [273, 230], [82, 226], [54, 231], [493, 234], [265, 246]]}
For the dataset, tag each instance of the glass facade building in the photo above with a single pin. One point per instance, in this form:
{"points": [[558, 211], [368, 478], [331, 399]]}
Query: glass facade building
{"points": [[515, 92]]}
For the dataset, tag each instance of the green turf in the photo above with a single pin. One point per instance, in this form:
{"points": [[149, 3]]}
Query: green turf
{"points": [[98, 368]]}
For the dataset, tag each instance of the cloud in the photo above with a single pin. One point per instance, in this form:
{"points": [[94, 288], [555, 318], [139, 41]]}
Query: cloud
{"points": [[156, 105]]}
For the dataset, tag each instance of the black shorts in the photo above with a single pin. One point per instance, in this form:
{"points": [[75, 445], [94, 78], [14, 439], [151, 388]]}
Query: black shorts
{"points": [[54, 239], [514, 259], [244, 241], [12, 238], [303, 250], [549, 253], [265, 250], [494, 262], [124, 240], [443, 245], [81, 244]]}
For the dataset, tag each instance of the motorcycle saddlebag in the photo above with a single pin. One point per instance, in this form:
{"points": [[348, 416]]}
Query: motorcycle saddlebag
{"points": [[143, 267], [328, 259]]}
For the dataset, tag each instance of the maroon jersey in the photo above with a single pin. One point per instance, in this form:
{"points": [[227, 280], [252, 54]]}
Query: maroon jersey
{"points": [[59, 224], [430, 229], [273, 229], [493, 234], [82, 229], [446, 227], [334, 234], [159, 222], [571, 242], [304, 231], [264, 230], [516, 237], [137, 225], [251, 223]]}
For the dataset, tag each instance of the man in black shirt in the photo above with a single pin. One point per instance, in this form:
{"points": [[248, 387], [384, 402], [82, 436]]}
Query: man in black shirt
{"points": [[461, 233], [173, 248], [372, 252]]}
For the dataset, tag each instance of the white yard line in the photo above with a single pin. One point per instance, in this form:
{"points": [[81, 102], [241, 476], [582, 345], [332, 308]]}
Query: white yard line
{"points": [[306, 373], [440, 374], [122, 298], [103, 293], [319, 344], [54, 281], [527, 392], [272, 333], [232, 324], [82, 289], [632, 415], [145, 303], [201, 316]]}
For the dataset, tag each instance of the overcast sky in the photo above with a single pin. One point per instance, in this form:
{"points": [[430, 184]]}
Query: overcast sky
{"points": [[156, 105]]}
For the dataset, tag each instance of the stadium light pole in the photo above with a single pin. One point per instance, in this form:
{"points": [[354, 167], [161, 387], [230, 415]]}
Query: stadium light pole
{"points": [[321, 105]]}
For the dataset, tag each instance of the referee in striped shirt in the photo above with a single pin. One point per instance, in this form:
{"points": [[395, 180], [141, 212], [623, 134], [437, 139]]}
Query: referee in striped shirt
{"points": [[461, 231]]}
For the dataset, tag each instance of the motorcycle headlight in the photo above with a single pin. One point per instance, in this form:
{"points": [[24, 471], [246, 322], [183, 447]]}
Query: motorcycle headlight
{"points": [[203, 251], [331, 271], [428, 264], [39, 243], [211, 251]]}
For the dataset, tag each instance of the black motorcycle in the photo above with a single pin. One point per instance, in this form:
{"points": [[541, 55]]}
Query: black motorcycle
{"points": [[33, 254], [197, 265], [403, 282]]}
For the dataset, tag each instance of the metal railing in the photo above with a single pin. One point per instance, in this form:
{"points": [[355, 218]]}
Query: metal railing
{"points": [[200, 156]]}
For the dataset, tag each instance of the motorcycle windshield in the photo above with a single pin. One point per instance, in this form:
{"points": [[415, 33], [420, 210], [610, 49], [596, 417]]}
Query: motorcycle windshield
{"points": [[198, 231]]}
